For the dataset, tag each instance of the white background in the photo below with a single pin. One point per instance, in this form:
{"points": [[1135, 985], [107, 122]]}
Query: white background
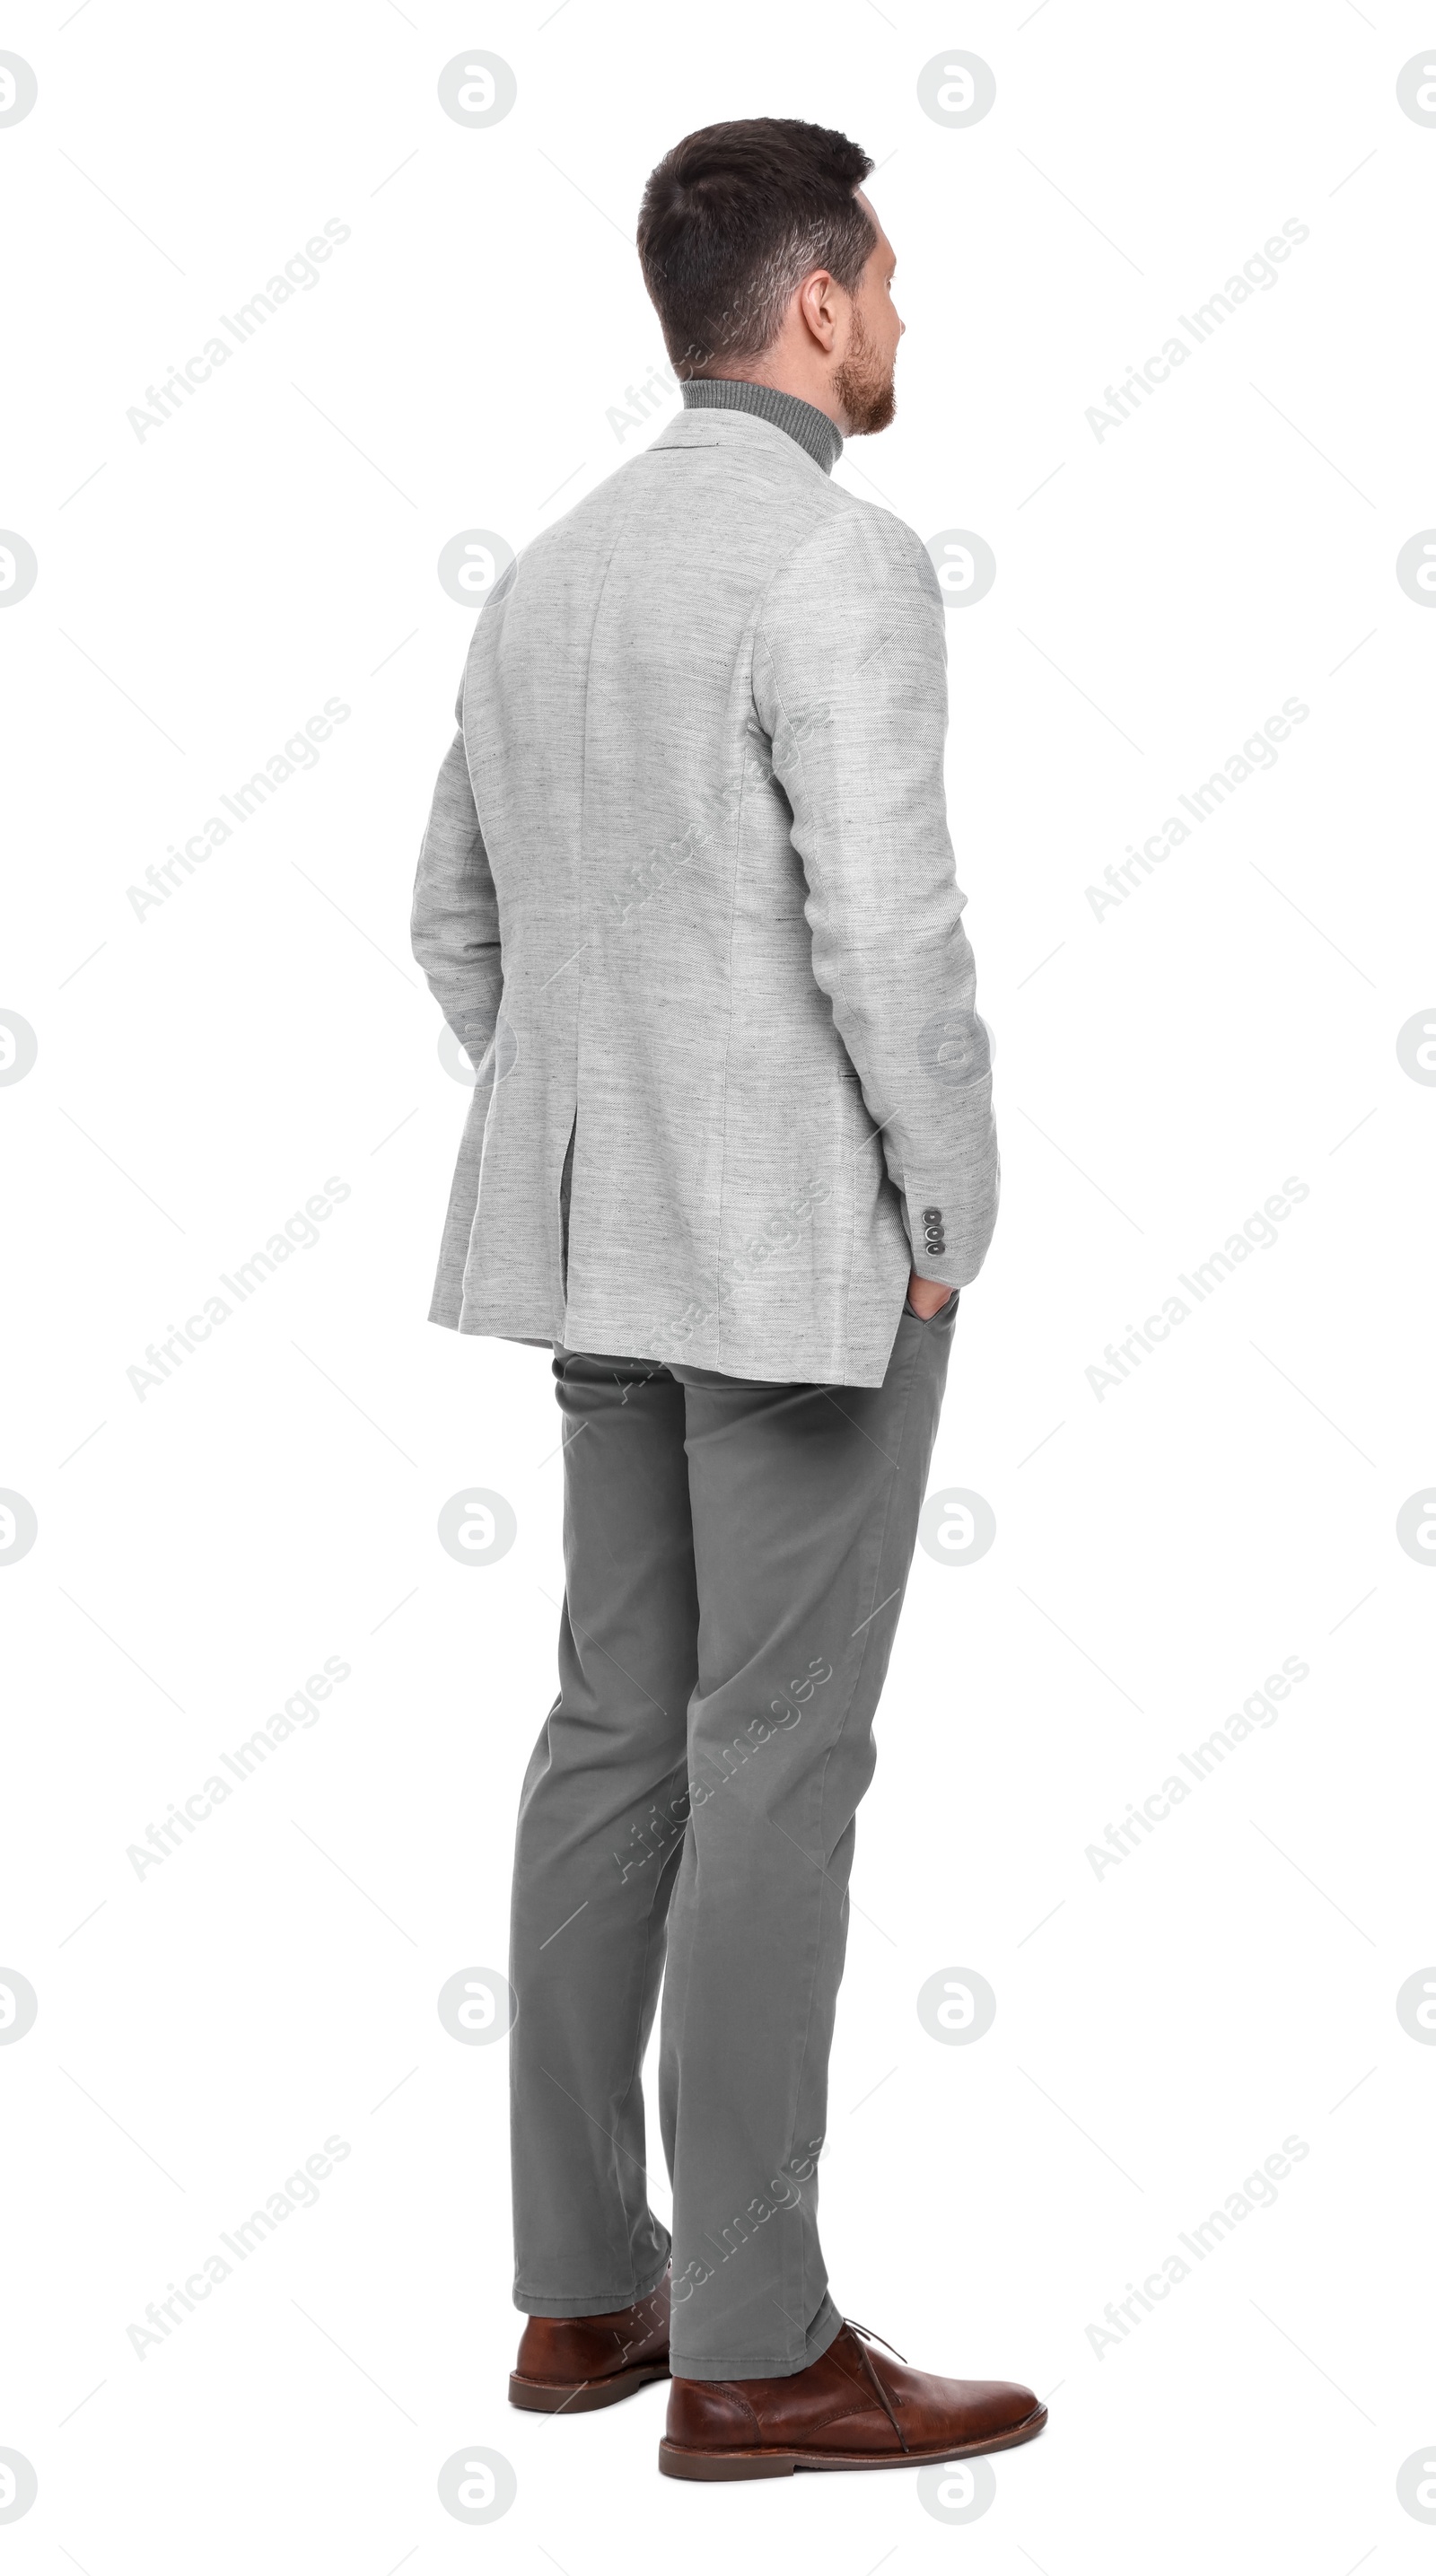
{"points": [[1162, 1069]]}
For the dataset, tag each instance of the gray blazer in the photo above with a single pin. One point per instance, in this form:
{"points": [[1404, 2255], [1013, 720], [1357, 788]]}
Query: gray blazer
{"points": [[686, 897]]}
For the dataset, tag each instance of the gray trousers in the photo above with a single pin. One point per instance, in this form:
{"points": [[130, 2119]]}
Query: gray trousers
{"points": [[735, 1558]]}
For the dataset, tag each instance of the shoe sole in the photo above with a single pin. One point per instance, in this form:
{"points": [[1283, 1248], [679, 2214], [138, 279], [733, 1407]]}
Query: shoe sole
{"points": [[581, 2396], [675, 2462]]}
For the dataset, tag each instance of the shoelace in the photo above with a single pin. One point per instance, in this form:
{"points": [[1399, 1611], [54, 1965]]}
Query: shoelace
{"points": [[877, 2338], [867, 2361]]}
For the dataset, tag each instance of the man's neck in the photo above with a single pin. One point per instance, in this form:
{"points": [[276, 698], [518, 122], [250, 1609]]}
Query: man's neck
{"points": [[815, 431]]}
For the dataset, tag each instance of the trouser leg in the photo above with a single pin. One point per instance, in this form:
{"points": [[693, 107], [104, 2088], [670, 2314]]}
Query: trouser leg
{"points": [[805, 1503], [597, 1845]]}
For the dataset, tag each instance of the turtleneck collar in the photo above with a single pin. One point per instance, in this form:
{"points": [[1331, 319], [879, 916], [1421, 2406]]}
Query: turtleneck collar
{"points": [[803, 421]]}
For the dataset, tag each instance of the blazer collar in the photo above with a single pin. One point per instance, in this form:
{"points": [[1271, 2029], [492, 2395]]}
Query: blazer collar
{"points": [[725, 428]]}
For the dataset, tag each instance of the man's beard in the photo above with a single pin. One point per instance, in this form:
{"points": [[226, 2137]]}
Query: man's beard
{"points": [[866, 392]]}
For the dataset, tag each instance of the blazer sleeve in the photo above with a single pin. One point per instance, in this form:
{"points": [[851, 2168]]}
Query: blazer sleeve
{"points": [[850, 685], [455, 924]]}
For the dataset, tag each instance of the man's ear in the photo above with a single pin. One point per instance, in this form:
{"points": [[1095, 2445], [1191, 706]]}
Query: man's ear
{"points": [[818, 306]]}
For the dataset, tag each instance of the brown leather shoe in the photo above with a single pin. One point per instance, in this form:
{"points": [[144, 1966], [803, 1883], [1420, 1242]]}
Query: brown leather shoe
{"points": [[849, 2410], [572, 2364]]}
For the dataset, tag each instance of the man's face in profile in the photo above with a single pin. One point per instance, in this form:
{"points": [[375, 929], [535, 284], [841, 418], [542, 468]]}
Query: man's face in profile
{"points": [[863, 382]]}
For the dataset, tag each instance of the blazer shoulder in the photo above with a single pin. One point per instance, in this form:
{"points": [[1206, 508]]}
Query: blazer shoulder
{"points": [[591, 513], [585, 526], [855, 551]]}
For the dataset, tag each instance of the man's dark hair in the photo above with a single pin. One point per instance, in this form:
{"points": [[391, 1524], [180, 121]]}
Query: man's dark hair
{"points": [[733, 219]]}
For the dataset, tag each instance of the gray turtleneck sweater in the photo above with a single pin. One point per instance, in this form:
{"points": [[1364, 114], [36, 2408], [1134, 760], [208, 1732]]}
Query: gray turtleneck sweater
{"points": [[802, 420]]}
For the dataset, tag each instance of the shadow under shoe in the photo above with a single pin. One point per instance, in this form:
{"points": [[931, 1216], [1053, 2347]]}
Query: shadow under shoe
{"points": [[570, 2365], [849, 2409]]}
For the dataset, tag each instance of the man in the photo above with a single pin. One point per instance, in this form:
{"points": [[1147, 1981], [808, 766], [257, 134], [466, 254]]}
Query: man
{"points": [[687, 899]]}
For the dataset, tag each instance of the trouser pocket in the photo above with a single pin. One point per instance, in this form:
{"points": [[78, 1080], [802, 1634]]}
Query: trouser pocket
{"points": [[941, 1314]]}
